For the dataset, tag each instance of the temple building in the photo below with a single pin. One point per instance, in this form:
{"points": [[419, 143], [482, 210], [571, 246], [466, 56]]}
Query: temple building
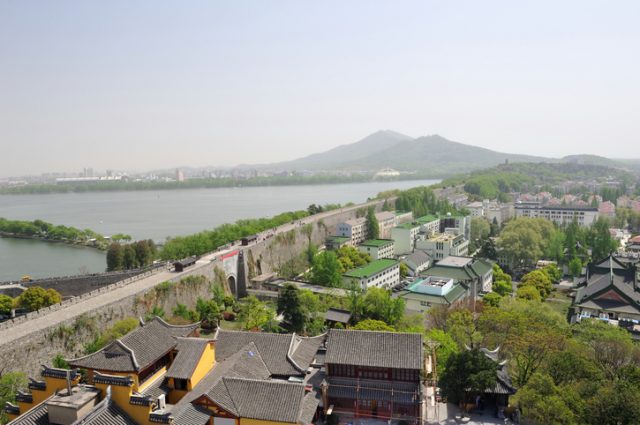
{"points": [[161, 373], [610, 292]]}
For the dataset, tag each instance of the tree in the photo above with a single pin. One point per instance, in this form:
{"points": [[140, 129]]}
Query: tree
{"points": [[129, 259], [373, 325], [144, 257], [36, 297], [468, 372], [501, 282], [209, 312], [542, 402], [379, 305], [290, 307], [553, 273], [525, 240], [616, 403], [492, 299], [60, 362], [156, 311], [463, 328], [6, 304], [539, 280], [404, 270], [115, 257], [256, 315], [326, 270], [602, 243], [528, 292], [479, 232], [445, 348], [575, 267], [10, 383], [373, 228]]}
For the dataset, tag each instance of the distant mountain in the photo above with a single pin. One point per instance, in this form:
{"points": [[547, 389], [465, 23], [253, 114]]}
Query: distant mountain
{"points": [[428, 156], [437, 156], [592, 160], [338, 158]]}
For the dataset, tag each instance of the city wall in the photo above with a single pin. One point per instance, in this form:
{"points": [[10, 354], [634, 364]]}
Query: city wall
{"points": [[67, 338]]}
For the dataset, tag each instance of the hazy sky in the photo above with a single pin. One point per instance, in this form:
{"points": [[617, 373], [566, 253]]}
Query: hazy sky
{"points": [[147, 84]]}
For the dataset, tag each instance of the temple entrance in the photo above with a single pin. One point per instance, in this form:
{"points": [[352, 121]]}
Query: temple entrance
{"points": [[231, 280]]}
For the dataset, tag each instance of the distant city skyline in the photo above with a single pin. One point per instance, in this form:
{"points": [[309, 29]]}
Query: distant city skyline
{"points": [[147, 85]]}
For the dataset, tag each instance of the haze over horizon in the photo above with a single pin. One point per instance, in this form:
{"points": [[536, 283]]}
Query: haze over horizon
{"points": [[152, 85]]}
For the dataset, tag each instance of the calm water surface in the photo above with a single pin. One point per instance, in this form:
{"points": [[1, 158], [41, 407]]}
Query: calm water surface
{"points": [[155, 215]]}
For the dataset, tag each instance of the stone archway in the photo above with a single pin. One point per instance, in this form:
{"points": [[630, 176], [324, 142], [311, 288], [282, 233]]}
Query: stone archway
{"points": [[231, 281]]}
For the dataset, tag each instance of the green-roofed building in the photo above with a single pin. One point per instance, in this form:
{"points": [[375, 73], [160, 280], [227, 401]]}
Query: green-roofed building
{"points": [[384, 273], [474, 274], [336, 242], [430, 291], [377, 248]]}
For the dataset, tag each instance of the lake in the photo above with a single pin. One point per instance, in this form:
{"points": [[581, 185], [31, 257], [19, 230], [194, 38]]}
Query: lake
{"points": [[154, 215]]}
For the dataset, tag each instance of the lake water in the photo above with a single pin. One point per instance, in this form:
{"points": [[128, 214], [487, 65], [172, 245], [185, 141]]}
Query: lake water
{"points": [[154, 215]]}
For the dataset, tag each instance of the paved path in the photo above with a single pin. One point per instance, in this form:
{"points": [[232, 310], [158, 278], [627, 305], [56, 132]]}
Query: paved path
{"points": [[94, 303]]}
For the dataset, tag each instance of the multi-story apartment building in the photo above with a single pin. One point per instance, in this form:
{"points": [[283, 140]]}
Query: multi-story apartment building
{"points": [[404, 236], [377, 248], [403, 217], [383, 273], [354, 229], [386, 222], [559, 214], [461, 224], [444, 245]]}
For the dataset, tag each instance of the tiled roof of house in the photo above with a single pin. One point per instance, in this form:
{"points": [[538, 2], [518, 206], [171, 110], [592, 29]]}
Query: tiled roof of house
{"points": [[374, 349], [189, 354], [417, 258], [337, 315], [276, 401], [274, 349], [38, 415], [138, 349]]}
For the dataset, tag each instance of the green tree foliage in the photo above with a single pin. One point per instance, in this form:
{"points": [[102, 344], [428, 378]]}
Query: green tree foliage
{"points": [[326, 270], [446, 346], [115, 257], [525, 240], [36, 297], [182, 311], [492, 299], [350, 258], [6, 304], [379, 305], [422, 201], [156, 311], [129, 259], [373, 229], [373, 325], [529, 293], [466, 374], [256, 315], [47, 231], [528, 334], [290, 307], [209, 313], [540, 280], [60, 362], [553, 273], [463, 328], [617, 402], [601, 241], [10, 383], [575, 267], [541, 401], [480, 230], [210, 240], [404, 270], [501, 282]]}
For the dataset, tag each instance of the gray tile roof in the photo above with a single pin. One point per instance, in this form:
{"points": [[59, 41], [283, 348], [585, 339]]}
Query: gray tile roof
{"points": [[189, 353], [136, 350], [337, 315], [266, 400], [398, 392], [105, 412], [274, 349], [192, 415], [374, 349]]}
